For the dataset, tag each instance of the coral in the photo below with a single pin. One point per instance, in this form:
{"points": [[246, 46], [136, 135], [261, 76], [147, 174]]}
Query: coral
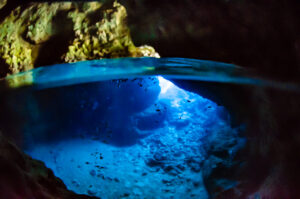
{"points": [[48, 33]]}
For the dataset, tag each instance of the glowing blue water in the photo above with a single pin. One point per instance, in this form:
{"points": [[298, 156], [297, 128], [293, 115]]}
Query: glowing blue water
{"points": [[151, 149], [111, 129], [174, 68]]}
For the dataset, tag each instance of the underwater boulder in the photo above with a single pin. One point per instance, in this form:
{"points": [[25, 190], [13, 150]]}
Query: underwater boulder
{"points": [[152, 118], [23, 177], [266, 166]]}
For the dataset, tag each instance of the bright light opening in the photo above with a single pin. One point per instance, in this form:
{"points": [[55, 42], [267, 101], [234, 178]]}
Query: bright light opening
{"points": [[164, 84]]}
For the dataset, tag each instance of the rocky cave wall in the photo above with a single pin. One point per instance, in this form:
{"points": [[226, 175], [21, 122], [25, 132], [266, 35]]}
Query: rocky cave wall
{"points": [[23, 177], [39, 34], [259, 34]]}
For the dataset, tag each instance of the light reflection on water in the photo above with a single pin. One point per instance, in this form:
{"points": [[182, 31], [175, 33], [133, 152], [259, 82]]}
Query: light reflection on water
{"points": [[174, 68]]}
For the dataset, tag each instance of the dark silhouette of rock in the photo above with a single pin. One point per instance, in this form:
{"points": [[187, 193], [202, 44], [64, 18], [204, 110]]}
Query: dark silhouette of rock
{"points": [[260, 34], [26, 178]]}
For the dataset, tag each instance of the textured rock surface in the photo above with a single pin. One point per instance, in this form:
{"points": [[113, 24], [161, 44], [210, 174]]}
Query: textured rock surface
{"points": [[259, 34], [2, 3], [23, 177], [268, 166], [39, 34]]}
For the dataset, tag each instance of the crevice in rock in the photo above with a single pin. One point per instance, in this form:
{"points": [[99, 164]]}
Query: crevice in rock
{"points": [[51, 51]]}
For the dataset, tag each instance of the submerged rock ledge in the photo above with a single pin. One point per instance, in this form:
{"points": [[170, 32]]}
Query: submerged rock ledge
{"points": [[23, 177]]}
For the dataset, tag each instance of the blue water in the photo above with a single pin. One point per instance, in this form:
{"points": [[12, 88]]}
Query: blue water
{"points": [[120, 128], [173, 68], [139, 138]]}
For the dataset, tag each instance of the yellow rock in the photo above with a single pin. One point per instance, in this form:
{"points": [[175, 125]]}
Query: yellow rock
{"points": [[49, 33]]}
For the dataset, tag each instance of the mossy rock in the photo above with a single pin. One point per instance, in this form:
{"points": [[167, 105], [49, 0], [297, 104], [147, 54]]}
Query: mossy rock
{"points": [[47, 33]]}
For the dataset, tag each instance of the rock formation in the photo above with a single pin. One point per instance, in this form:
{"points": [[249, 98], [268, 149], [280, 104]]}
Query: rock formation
{"points": [[259, 34], [23, 177], [38, 34], [2, 3]]}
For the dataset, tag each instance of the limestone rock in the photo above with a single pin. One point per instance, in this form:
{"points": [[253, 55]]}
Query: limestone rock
{"points": [[40, 34], [2, 3]]}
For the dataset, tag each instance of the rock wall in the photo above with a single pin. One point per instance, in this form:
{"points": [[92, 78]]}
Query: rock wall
{"points": [[268, 166], [261, 34], [2, 3], [23, 177], [37, 34]]}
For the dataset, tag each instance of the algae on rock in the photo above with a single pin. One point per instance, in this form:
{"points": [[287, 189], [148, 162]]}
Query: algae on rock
{"points": [[2, 3], [47, 33]]}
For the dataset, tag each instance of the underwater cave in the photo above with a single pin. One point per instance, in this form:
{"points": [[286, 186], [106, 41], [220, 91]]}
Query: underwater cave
{"points": [[124, 138], [130, 138]]}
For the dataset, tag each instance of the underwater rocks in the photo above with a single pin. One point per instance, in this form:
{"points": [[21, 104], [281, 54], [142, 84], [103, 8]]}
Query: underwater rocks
{"points": [[268, 165], [40, 34], [222, 162], [23, 177]]}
